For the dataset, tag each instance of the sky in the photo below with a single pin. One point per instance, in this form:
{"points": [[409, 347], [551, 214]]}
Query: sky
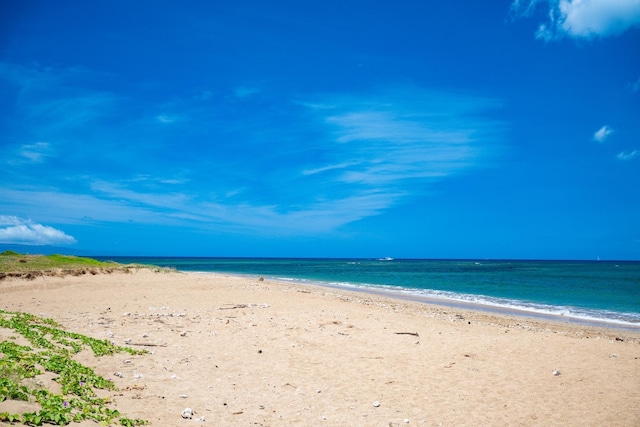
{"points": [[409, 129]]}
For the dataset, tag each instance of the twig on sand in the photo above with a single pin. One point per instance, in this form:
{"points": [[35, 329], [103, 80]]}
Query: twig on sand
{"points": [[415, 334], [146, 344], [233, 307]]}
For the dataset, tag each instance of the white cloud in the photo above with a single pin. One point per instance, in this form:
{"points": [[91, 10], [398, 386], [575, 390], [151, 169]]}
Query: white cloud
{"points": [[405, 137], [313, 166], [67, 207], [328, 168], [582, 18], [119, 205], [628, 155], [26, 232], [36, 153], [602, 134]]}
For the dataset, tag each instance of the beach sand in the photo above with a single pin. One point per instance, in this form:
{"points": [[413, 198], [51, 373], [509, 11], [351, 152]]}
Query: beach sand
{"points": [[242, 351]]}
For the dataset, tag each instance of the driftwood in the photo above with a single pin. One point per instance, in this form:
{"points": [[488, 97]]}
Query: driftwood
{"points": [[233, 307], [146, 344], [415, 334]]}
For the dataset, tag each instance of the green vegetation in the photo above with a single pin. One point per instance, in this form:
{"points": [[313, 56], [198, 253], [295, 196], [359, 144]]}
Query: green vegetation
{"points": [[51, 350], [13, 264], [13, 261]]}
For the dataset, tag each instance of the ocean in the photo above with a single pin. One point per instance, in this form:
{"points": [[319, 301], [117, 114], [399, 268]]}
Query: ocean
{"points": [[592, 292]]}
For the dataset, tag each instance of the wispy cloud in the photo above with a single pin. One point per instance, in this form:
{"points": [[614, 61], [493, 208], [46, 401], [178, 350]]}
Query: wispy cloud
{"points": [[15, 230], [581, 18], [370, 153], [305, 166], [68, 111], [628, 155], [64, 206], [406, 136], [57, 104], [95, 131], [37, 152], [26, 155], [115, 204], [328, 168], [602, 134]]}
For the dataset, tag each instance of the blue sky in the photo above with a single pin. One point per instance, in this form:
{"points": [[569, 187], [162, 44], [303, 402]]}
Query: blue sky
{"points": [[440, 129]]}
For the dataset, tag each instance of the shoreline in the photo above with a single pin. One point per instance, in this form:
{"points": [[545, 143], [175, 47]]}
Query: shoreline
{"points": [[243, 351], [406, 294]]}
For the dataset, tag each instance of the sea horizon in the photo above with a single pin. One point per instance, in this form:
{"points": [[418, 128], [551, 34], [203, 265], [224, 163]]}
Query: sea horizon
{"points": [[379, 258], [97, 253]]}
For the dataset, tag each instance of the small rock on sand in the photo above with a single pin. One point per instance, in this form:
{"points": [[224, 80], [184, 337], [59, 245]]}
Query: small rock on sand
{"points": [[187, 413]]}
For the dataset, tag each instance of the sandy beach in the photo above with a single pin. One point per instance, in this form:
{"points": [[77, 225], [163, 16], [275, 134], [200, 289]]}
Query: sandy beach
{"points": [[242, 351]]}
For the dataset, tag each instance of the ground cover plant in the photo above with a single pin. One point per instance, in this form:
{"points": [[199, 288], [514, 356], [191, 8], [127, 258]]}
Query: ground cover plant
{"points": [[51, 349]]}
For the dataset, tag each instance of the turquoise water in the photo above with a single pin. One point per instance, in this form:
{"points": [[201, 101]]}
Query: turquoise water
{"points": [[602, 290]]}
